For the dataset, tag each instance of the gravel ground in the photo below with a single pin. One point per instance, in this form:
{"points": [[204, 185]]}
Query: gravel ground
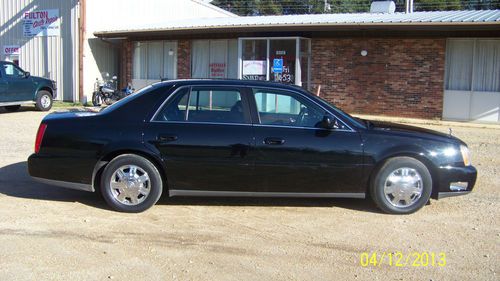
{"points": [[49, 233]]}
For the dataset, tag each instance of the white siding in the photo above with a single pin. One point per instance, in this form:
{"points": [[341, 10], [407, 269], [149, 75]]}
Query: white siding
{"points": [[100, 56], [54, 57]]}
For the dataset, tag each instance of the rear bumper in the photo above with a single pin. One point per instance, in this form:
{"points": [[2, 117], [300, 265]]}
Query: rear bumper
{"points": [[455, 181], [65, 184], [55, 172]]}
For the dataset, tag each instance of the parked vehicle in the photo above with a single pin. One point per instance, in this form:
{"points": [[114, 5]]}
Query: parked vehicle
{"points": [[18, 87], [106, 91], [245, 138]]}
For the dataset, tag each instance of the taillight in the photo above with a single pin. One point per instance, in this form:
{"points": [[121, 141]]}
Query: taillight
{"points": [[39, 136]]}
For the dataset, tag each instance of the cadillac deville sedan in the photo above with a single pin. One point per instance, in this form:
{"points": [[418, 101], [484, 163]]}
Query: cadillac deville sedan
{"points": [[245, 138]]}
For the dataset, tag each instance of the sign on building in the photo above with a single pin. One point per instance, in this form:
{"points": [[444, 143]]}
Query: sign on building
{"points": [[278, 65], [41, 23], [11, 50]]}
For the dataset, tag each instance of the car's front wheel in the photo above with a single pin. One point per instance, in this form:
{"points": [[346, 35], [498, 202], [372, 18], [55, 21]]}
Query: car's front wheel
{"points": [[131, 183], [402, 185], [43, 100]]}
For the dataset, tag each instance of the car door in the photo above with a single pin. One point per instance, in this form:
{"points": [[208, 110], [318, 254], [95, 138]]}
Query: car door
{"points": [[4, 84], [20, 87], [204, 135], [294, 154]]}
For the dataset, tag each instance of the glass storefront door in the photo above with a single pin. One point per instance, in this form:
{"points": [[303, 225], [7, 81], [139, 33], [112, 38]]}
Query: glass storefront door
{"points": [[284, 60]]}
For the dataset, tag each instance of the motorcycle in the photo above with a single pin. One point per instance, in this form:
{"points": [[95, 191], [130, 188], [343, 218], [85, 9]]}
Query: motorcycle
{"points": [[106, 91]]}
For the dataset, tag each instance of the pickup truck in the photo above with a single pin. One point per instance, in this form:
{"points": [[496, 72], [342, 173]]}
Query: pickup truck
{"points": [[18, 87]]}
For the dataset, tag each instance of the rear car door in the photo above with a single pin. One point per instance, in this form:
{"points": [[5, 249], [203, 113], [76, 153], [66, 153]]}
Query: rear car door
{"points": [[20, 87], [204, 136], [294, 154]]}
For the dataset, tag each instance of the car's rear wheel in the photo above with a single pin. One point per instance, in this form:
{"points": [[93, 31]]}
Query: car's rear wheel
{"points": [[402, 185], [43, 100], [131, 183], [12, 108]]}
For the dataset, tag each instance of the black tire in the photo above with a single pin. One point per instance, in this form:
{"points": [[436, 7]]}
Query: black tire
{"points": [[111, 195], [383, 201], [12, 108], [43, 100], [96, 99]]}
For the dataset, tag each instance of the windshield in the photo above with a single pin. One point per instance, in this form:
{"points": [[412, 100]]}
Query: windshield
{"points": [[355, 120]]}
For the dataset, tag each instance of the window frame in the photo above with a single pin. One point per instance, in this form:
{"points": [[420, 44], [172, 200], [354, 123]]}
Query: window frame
{"points": [[295, 94], [243, 95], [15, 67]]}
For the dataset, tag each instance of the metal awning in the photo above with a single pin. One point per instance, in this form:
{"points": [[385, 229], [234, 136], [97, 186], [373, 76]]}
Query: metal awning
{"points": [[489, 19]]}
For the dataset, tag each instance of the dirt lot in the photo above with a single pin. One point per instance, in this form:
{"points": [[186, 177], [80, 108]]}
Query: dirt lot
{"points": [[49, 233]]}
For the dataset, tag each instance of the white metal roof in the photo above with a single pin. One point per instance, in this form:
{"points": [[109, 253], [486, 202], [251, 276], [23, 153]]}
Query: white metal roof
{"points": [[415, 18]]}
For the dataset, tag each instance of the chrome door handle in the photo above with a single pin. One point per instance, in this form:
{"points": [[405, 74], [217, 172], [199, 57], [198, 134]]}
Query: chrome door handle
{"points": [[274, 141]]}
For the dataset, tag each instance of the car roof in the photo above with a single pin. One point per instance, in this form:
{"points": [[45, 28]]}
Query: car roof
{"points": [[228, 82]]}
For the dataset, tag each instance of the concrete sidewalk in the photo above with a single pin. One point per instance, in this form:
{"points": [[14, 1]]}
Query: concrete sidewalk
{"points": [[416, 121]]}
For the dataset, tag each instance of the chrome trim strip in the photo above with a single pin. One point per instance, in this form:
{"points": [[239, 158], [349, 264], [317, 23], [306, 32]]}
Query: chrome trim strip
{"points": [[66, 184], [209, 123], [308, 128], [16, 103], [205, 193], [442, 195]]}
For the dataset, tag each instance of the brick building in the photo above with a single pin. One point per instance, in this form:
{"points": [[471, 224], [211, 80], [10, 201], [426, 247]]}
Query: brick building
{"points": [[443, 65]]}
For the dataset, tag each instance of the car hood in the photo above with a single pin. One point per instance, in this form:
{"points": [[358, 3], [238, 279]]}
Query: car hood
{"points": [[40, 79], [407, 130]]}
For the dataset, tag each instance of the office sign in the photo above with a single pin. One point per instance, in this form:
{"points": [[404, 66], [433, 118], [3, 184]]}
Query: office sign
{"points": [[41, 23], [11, 50]]}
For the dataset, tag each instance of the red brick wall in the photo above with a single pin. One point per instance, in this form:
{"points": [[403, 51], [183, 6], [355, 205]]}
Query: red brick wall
{"points": [[183, 59], [398, 77], [126, 64]]}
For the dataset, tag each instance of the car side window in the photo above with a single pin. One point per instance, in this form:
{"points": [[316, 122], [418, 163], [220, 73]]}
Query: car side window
{"points": [[287, 109], [204, 104], [12, 71]]}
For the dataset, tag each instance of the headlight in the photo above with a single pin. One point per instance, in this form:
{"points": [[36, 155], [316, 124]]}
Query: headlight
{"points": [[465, 154]]}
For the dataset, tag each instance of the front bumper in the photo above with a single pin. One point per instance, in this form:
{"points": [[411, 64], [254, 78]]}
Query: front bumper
{"points": [[455, 181]]}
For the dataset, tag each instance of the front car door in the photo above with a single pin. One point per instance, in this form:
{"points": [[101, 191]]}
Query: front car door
{"points": [[295, 156], [20, 87], [204, 135], [4, 84]]}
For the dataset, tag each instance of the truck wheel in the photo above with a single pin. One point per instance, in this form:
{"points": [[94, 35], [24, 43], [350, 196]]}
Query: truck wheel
{"points": [[403, 185], [12, 108], [43, 100]]}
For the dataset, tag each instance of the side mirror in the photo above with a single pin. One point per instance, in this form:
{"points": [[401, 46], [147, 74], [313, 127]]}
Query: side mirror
{"points": [[27, 74], [328, 122]]}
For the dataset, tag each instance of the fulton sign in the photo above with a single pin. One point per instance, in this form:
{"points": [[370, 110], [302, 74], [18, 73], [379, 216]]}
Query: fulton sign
{"points": [[41, 23]]}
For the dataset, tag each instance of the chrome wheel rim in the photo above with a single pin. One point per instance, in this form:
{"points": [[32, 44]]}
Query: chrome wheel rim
{"points": [[130, 185], [403, 187], [45, 101]]}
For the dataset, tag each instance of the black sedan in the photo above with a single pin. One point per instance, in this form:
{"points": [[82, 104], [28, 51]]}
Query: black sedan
{"points": [[244, 138]]}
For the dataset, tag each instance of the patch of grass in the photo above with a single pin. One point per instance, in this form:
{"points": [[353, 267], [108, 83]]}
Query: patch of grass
{"points": [[62, 104]]}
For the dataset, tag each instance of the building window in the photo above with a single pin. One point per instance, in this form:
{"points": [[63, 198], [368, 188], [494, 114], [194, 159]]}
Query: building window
{"points": [[278, 59], [473, 65], [155, 60], [214, 59]]}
